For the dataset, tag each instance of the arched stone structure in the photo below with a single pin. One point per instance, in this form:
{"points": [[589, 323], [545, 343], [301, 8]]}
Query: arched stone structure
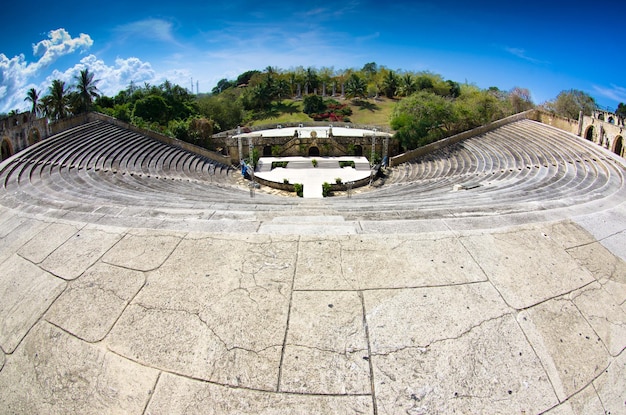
{"points": [[267, 151], [618, 146], [34, 136], [20, 131], [314, 151], [590, 133], [6, 149]]}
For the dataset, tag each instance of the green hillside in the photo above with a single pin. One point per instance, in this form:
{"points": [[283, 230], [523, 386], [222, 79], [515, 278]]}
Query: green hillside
{"points": [[364, 111]]}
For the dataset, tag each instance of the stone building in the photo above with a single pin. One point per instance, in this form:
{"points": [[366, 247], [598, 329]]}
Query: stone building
{"points": [[20, 131], [605, 129]]}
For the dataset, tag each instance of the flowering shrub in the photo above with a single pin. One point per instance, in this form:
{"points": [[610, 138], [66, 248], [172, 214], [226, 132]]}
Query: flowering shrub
{"points": [[335, 112]]}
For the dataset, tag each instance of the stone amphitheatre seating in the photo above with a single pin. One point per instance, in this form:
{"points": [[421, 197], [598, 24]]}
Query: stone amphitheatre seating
{"points": [[523, 166], [488, 277]]}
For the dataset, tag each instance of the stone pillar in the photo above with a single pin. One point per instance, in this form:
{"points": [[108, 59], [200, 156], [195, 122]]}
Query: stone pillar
{"points": [[580, 124], [386, 148], [334, 88], [299, 95], [373, 148], [239, 144], [324, 89], [343, 90]]}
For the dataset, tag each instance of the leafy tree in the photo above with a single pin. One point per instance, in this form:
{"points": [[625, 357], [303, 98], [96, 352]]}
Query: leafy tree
{"points": [[226, 109], [311, 80], [56, 103], [32, 96], [152, 108], [222, 85], [245, 77], [355, 87], [569, 103], [455, 88], [313, 104], [422, 118], [520, 99], [87, 91], [407, 85], [390, 84]]}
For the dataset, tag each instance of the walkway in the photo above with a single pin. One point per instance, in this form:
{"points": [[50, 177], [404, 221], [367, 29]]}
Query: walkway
{"points": [[301, 170]]}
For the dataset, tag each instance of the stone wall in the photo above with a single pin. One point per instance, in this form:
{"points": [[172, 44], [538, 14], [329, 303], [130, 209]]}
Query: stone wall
{"points": [[20, 131]]}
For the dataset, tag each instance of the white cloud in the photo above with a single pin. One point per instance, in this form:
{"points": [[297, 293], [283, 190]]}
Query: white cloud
{"points": [[153, 29], [614, 92], [59, 43], [521, 53], [17, 75]]}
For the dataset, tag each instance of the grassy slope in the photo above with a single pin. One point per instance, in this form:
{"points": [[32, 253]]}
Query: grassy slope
{"points": [[368, 112]]}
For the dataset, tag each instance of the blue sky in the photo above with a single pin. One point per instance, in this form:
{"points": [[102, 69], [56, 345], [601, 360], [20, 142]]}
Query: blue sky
{"points": [[546, 47]]}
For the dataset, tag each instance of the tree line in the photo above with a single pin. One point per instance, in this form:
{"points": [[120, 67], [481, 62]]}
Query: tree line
{"points": [[428, 107]]}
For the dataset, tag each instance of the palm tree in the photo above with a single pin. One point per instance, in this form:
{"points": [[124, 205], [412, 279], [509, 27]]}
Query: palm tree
{"points": [[87, 90], [56, 103], [32, 96], [407, 85], [356, 87]]}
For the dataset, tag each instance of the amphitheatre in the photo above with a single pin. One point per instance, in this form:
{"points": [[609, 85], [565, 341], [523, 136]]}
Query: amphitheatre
{"points": [[487, 276]]}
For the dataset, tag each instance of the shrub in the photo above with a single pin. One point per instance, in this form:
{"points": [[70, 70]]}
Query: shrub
{"points": [[314, 162], [286, 181], [338, 180], [282, 164], [299, 188], [343, 164], [326, 189]]}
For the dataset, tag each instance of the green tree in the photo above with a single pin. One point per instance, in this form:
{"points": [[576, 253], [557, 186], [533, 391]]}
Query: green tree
{"points": [[313, 104], [152, 108], [355, 87], [32, 96], [226, 110], [621, 111], [311, 79], [56, 102], [407, 85], [422, 118], [87, 91], [520, 100], [569, 103], [390, 84]]}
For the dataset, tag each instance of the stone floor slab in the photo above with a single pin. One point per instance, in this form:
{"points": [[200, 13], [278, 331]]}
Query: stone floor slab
{"points": [[320, 265], [367, 262], [567, 345], [16, 234], [93, 303], [586, 402], [54, 373], [489, 370], [611, 386], [527, 266], [217, 319], [605, 316], [428, 314], [80, 252], [142, 252], [26, 292], [326, 348], [47, 240], [176, 395], [607, 268]]}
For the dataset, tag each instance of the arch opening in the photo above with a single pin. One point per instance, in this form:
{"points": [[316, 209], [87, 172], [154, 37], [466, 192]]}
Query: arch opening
{"points": [[314, 151]]}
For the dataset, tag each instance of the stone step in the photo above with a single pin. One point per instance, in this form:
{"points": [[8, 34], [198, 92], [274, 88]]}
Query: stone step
{"points": [[309, 225]]}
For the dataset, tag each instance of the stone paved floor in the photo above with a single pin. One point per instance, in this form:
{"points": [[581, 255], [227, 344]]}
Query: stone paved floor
{"points": [[518, 319]]}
